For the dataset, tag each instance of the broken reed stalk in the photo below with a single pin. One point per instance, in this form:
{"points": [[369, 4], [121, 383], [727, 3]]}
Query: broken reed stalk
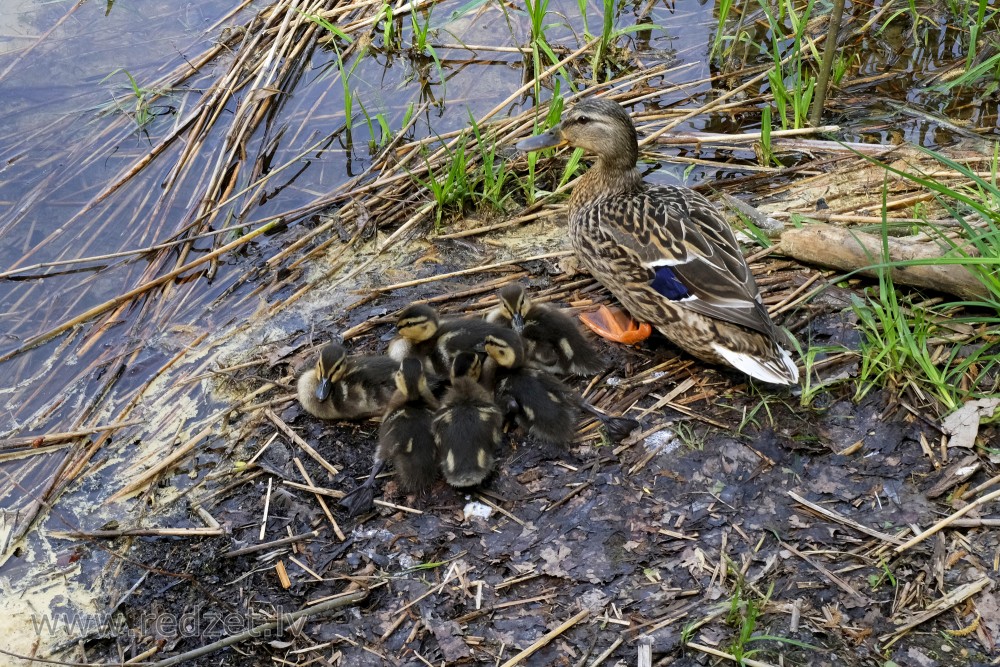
{"points": [[547, 637], [285, 621], [945, 522], [51, 438], [285, 541], [91, 313], [839, 518], [139, 532], [728, 656]]}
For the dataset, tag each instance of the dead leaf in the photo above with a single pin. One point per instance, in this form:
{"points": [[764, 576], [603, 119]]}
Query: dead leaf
{"points": [[963, 424]]}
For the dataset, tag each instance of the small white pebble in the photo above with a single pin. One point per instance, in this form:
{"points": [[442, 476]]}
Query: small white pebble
{"points": [[477, 509], [663, 442]]}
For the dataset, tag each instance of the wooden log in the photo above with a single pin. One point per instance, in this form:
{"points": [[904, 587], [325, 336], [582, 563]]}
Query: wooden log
{"points": [[851, 250]]}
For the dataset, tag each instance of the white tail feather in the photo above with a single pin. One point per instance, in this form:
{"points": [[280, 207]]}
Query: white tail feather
{"points": [[780, 369]]}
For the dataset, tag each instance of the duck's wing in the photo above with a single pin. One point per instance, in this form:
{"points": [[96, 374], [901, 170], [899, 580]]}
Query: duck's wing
{"points": [[688, 251]]}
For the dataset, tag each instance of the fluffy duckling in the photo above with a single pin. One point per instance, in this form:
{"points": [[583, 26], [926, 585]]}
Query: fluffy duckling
{"points": [[468, 425], [552, 339], [543, 406], [404, 438], [424, 334], [347, 387]]}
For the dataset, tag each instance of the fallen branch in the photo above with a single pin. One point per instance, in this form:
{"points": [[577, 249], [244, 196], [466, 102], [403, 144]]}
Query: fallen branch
{"points": [[850, 250]]}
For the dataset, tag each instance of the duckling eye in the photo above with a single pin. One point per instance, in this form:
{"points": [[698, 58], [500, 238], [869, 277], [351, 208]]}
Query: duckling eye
{"points": [[583, 120]]}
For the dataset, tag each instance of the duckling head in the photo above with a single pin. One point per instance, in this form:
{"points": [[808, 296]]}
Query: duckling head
{"points": [[417, 323], [598, 126], [410, 379], [505, 348], [466, 364], [514, 305], [329, 368]]}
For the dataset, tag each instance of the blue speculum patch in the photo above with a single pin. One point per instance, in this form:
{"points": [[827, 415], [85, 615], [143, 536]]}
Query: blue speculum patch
{"points": [[666, 283]]}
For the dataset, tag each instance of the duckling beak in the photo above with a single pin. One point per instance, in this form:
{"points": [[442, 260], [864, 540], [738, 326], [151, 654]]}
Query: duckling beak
{"points": [[517, 322], [323, 389], [551, 139]]}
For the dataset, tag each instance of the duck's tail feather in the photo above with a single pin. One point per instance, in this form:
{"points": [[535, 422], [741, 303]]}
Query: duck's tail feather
{"points": [[779, 368]]}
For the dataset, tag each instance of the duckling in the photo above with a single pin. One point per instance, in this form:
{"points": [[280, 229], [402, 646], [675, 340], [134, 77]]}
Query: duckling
{"points": [[347, 387], [424, 334], [664, 251], [553, 341], [404, 438], [542, 405], [467, 427]]}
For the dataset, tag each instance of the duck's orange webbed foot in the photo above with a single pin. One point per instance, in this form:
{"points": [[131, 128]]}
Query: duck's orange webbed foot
{"points": [[615, 324]]}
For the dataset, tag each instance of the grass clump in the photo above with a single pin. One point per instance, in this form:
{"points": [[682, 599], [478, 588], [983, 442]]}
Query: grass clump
{"points": [[136, 103], [943, 353]]}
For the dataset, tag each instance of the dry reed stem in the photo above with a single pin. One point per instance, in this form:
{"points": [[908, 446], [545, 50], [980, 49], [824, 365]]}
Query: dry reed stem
{"points": [[297, 439], [547, 637], [720, 654], [34, 341], [945, 522]]}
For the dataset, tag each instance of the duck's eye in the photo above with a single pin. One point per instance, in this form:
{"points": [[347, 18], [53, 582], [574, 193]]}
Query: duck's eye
{"points": [[582, 120]]}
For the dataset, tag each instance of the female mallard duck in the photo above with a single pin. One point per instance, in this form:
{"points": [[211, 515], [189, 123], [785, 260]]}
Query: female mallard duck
{"points": [[553, 341], [347, 387], [422, 333], [404, 438], [468, 425], [664, 251]]}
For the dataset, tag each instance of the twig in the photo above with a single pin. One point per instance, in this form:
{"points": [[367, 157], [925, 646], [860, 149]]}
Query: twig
{"points": [[547, 637], [719, 654], [269, 545], [306, 447], [957, 596], [607, 654], [284, 621], [839, 518], [50, 438], [139, 532], [943, 523], [828, 574], [322, 503], [37, 340]]}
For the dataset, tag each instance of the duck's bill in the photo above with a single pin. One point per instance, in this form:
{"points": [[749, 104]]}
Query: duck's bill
{"points": [[323, 389], [517, 323], [551, 139]]}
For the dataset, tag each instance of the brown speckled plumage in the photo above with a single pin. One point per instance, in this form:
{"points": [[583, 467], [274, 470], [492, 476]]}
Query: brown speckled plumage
{"points": [[624, 230]]}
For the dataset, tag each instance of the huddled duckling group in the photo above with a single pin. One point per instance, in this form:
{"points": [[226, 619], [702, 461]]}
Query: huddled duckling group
{"points": [[447, 386]]}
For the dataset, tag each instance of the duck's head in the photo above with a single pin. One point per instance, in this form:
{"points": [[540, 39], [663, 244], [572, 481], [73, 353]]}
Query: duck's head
{"points": [[329, 368], [410, 378], [466, 364], [417, 323], [514, 304], [505, 348], [600, 127]]}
